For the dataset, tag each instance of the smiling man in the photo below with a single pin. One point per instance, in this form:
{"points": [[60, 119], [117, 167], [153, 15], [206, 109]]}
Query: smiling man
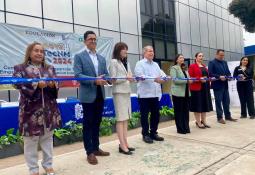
{"points": [[89, 64]]}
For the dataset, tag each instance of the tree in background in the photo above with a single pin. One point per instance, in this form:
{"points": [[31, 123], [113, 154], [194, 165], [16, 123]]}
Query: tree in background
{"points": [[245, 11]]}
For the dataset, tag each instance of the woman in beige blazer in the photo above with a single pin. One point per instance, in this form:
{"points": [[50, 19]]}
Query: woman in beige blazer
{"points": [[119, 67], [180, 95]]}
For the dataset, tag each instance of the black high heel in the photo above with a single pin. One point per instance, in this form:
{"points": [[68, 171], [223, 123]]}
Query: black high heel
{"points": [[131, 149], [207, 126], [125, 152], [201, 127]]}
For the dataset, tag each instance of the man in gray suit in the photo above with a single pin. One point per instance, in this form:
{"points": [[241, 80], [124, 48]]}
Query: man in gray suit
{"points": [[87, 64]]}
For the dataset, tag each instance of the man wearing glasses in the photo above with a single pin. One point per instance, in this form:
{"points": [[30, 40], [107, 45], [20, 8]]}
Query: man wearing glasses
{"points": [[87, 64]]}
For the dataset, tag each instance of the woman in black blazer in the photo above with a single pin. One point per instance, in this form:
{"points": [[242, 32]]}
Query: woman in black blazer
{"points": [[244, 72]]}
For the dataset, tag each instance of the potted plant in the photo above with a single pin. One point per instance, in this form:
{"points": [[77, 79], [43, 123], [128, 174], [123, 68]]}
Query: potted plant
{"points": [[10, 144]]}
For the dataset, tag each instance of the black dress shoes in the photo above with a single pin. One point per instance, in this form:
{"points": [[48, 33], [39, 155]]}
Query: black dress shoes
{"points": [[147, 139], [231, 119], [157, 137], [252, 117], [125, 152]]}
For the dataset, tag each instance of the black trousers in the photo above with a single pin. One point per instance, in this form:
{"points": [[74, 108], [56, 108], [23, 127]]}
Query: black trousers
{"points": [[149, 105], [92, 113], [245, 92], [181, 114]]}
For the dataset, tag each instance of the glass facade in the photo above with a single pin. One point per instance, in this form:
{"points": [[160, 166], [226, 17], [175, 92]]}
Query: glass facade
{"points": [[158, 27], [170, 26], [206, 25]]}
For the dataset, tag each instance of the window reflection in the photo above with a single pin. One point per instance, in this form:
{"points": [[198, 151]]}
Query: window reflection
{"points": [[145, 6], [146, 23]]}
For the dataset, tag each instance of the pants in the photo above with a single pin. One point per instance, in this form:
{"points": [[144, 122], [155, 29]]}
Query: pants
{"points": [[181, 114], [149, 105], [31, 151], [245, 92], [91, 122], [222, 99]]}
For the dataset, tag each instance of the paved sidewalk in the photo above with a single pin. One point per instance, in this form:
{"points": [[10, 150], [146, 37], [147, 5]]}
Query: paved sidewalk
{"points": [[222, 150]]}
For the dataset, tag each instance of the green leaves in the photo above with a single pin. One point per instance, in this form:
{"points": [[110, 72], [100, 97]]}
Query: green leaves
{"points": [[166, 111], [245, 11], [10, 138]]}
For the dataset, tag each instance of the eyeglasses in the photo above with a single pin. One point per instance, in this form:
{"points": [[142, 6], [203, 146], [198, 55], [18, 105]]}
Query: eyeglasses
{"points": [[92, 39]]}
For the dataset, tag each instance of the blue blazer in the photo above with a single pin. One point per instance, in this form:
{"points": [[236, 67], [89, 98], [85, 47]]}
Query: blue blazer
{"points": [[83, 68], [216, 69]]}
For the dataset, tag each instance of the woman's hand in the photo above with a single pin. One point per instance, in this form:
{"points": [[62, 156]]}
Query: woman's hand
{"points": [[52, 84], [130, 78], [202, 79], [190, 81], [42, 84]]}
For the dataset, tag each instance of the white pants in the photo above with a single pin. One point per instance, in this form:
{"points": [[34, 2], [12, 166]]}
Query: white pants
{"points": [[31, 151]]}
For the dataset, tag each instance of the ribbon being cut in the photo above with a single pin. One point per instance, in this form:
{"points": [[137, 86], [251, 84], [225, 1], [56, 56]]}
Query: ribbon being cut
{"points": [[16, 80]]}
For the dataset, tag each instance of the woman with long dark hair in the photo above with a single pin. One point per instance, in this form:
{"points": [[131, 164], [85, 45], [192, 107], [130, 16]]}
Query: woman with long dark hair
{"points": [[180, 94], [244, 72], [200, 102]]}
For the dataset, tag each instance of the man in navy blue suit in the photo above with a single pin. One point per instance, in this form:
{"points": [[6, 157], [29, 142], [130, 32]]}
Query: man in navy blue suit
{"points": [[218, 68]]}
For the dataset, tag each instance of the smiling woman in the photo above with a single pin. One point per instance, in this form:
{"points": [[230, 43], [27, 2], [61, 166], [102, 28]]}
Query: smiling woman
{"points": [[38, 111]]}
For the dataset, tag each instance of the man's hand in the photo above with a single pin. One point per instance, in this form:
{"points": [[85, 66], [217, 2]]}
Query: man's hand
{"points": [[42, 84], [100, 81], [159, 80], [222, 78]]}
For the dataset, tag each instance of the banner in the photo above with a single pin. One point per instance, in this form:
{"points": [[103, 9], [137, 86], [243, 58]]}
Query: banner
{"points": [[234, 98], [60, 48]]}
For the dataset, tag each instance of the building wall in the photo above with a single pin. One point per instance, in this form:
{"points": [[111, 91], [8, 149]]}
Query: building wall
{"points": [[119, 19], [199, 25], [205, 25]]}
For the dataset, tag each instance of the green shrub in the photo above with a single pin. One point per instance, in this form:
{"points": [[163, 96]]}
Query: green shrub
{"points": [[10, 138]]}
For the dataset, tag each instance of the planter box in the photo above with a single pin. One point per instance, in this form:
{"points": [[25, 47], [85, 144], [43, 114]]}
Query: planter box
{"points": [[165, 118], [11, 150], [64, 140]]}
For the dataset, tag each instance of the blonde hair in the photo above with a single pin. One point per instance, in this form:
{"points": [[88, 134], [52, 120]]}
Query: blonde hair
{"points": [[29, 49]]}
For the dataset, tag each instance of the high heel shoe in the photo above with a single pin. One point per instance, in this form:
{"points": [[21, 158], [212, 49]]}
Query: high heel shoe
{"points": [[201, 127], [131, 149], [125, 152], [207, 126]]}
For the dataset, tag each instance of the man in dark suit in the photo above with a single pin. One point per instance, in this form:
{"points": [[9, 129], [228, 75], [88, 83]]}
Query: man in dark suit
{"points": [[218, 68], [87, 64]]}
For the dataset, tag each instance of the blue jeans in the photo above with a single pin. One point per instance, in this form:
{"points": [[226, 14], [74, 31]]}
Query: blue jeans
{"points": [[222, 99]]}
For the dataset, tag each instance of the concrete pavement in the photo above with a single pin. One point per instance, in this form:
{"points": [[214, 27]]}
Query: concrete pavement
{"points": [[222, 150]]}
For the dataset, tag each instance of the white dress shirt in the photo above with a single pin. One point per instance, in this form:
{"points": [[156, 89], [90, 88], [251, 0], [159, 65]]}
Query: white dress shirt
{"points": [[148, 88], [94, 59]]}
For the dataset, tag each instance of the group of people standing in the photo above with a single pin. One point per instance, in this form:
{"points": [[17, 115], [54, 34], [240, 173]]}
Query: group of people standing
{"points": [[190, 89]]}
